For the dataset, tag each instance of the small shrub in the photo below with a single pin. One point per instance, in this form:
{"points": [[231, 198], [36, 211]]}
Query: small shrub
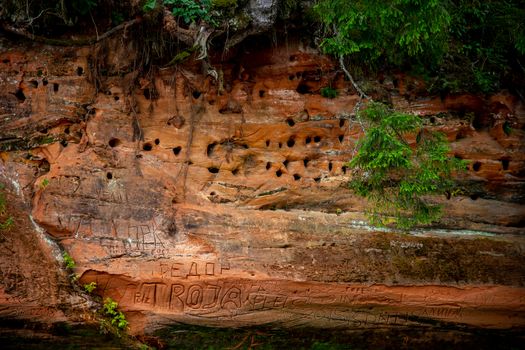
{"points": [[44, 183], [189, 10], [90, 287], [117, 318], [328, 92], [7, 224], [68, 261]]}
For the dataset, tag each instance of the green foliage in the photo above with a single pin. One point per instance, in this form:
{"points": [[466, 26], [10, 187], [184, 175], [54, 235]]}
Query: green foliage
{"points": [[149, 5], [44, 183], [460, 45], [224, 3], [69, 263], [9, 222], [46, 140], [90, 287], [486, 41], [189, 10], [372, 30], [507, 129], [395, 176], [328, 92], [117, 318]]}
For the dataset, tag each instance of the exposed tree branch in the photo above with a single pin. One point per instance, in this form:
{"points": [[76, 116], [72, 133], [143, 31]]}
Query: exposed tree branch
{"points": [[69, 42], [358, 89]]}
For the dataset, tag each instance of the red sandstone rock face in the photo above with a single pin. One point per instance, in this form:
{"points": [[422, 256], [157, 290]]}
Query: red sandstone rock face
{"points": [[225, 202]]}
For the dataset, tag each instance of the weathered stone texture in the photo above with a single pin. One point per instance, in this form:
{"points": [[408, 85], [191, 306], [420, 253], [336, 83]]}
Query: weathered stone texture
{"points": [[233, 207]]}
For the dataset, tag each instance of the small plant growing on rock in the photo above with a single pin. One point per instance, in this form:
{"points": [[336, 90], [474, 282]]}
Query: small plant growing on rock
{"points": [[116, 318], [7, 224], [90, 287], [44, 183], [328, 92], [69, 263]]}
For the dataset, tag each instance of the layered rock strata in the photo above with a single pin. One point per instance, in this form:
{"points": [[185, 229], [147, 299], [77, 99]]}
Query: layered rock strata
{"points": [[225, 202]]}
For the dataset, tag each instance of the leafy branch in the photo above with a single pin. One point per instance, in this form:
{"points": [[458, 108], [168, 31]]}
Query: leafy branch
{"points": [[395, 176]]}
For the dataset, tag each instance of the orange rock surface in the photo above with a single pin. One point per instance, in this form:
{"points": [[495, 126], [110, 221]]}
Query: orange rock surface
{"points": [[224, 202]]}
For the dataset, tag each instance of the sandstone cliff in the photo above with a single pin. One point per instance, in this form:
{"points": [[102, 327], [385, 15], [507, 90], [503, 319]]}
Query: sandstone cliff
{"points": [[224, 202]]}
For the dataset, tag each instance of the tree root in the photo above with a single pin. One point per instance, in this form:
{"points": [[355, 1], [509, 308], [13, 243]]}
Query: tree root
{"points": [[69, 42]]}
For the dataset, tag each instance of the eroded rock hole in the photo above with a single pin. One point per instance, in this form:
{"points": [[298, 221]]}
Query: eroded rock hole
{"points": [[114, 142], [67, 131], [19, 94], [317, 139], [279, 173], [317, 179], [109, 175], [330, 166], [291, 142], [505, 164], [290, 122], [291, 77], [461, 135], [285, 163], [341, 123], [261, 93], [296, 177], [80, 71], [213, 170], [196, 94], [305, 162], [341, 138], [45, 82], [147, 146], [476, 166], [64, 143], [474, 197], [147, 93], [303, 88], [177, 150], [116, 98], [433, 120], [55, 87], [308, 140], [157, 142], [34, 83], [235, 171], [267, 143], [6, 61], [344, 169], [268, 165], [280, 145], [210, 149]]}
